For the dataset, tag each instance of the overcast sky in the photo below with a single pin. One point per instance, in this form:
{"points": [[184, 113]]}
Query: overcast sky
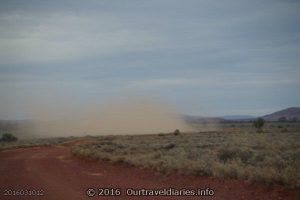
{"points": [[203, 57]]}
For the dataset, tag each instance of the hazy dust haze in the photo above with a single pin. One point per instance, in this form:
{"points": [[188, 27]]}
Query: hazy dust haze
{"points": [[135, 116]]}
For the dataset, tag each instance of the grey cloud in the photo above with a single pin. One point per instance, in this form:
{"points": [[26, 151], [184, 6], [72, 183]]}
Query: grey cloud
{"points": [[175, 48]]}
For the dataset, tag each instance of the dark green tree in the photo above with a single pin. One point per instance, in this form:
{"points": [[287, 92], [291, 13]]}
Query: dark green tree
{"points": [[259, 124], [294, 119]]}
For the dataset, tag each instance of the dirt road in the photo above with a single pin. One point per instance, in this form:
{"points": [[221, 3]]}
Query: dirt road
{"points": [[56, 174]]}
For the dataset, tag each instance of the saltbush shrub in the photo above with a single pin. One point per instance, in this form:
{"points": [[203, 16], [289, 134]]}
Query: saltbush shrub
{"points": [[8, 137]]}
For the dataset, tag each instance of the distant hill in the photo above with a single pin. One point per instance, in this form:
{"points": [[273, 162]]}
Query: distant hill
{"points": [[199, 119], [238, 117], [289, 113]]}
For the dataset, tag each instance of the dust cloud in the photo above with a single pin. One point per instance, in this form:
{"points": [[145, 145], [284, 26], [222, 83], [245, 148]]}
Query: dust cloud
{"points": [[135, 116]]}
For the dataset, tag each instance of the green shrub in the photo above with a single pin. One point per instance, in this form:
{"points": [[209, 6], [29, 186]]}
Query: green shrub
{"points": [[169, 146], [177, 132], [8, 137], [235, 153]]}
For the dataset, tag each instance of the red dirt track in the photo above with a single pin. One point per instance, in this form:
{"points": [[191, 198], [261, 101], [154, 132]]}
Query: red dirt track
{"points": [[64, 177]]}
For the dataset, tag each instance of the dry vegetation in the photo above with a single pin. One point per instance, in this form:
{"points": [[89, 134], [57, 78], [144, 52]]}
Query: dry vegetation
{"points": [[237, 152], [35, 142]]}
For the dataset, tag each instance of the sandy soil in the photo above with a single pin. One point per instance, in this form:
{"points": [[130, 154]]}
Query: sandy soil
{"points": [[61, 176]]}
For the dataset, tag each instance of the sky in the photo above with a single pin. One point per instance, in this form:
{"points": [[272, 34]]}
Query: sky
{"points": [[209, 58]]}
